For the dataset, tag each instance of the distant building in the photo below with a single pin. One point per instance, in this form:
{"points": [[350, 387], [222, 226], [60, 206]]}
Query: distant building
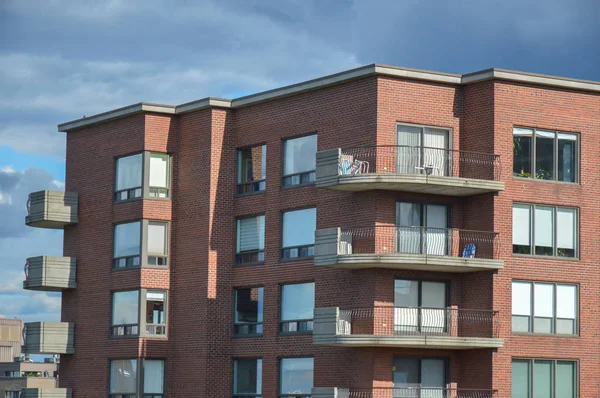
{"points": [[19, 375], [11, 338]]}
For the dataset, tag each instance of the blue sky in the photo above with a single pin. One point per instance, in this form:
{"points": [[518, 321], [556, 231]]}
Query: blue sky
{"points": [[63, 59]]}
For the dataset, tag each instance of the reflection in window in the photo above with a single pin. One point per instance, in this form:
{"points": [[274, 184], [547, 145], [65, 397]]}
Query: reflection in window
{"points": [[299, 160], [297, 307], [544, 378], [123, 377], [296, 376], [126, 249], [129, 177], [247, 377], [252, 169], [298, 233], [248, 311]]}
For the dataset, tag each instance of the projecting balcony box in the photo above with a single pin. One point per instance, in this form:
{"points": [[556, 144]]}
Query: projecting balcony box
{"points": [[414, 248], [410, 169], [414, 327], [46, 393], [52, 209], [48, 338], [50, 273], [415, 391]]}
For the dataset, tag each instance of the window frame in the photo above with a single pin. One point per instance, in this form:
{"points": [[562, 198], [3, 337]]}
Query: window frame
{"points": [[555, 208], [239, 256], [308, 323], [307, 248], [140, 370], [577, 161], [262, 183], [233, 376], [143, 252], [145, 187], [141, 324], [554, 361], [555, 285], [279, 378], [420, 358], [311, 174], [255, 334]]}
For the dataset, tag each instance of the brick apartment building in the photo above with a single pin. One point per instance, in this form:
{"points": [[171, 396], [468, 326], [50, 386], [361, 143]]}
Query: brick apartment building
{"points": [[381, 232]]}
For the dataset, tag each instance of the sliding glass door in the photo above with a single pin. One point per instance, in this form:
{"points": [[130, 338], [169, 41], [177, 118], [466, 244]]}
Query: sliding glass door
{"points": [[422, 229], [423, 150], [419, 377]]}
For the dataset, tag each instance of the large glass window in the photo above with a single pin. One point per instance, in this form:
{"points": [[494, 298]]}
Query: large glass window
{"points": [[297, 307], [298, 233], [126, 245], [426, 374], [250, 240], [157, 243], [544, 308], [127, 313], [299, 160], [419, 306], [143, 174], [252, 169], [423, 150], [248, 311], [554, 233], [545, 155], [543, 378], [296, 376], [247, 377], [125, 381]]}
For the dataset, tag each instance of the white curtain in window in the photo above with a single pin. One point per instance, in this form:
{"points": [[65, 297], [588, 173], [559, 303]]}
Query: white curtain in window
{"points": [[543, 300], [521, 225], [436, 159], [125, 308], [300, 155], [437, 236], [408, 158], [159, 167], [544, 226], [127, 239], [433, 296], [565, 301], [299, 227], [409, 240], [154, 371], [129, 172], [251, 233], [565, 226], [123, 376], [156, 238], [521, 298]]}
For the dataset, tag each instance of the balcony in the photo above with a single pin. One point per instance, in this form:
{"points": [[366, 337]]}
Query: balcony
{"points": [[46, 393], [402, 392], [48, 338], [52, 209], [413, 248], [438, 328], [50, 273], [409, 169]]}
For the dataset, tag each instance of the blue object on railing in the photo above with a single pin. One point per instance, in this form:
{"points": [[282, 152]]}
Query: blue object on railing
{"points": [[469, 250]]}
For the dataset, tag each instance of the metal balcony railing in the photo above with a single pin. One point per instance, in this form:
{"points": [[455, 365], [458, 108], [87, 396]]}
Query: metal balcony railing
{"points": [[419, 240], [402, 159], [419, 321], [415, 392]]}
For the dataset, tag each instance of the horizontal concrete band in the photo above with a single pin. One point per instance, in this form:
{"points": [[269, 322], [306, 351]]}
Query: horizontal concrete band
{"points": [[441, 342]]}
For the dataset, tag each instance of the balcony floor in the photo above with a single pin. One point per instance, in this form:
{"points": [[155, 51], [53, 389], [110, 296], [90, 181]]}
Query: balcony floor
{"points": [[430, 342]]}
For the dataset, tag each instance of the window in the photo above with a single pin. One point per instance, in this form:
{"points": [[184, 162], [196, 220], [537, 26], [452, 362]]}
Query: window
{"points": [[545, 155], [423, 150], [125, 383], [537, 378], [248, 311], [252, 169], [411, 372], [420, 306], [247, 377], [299, 160], [250, 240], [298, 233], [297, 307], [554, 232], [296, 377], [12, 394], [12, 373], [145, 174], [128, 248], [554, 308], [127, 313], [422, 228]]}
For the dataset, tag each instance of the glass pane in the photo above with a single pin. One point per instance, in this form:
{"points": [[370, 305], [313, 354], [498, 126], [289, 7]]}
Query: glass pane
{"points": [[567, 157], [542, 325], [565, 326], [521, 229], [154, 373], [159, 170], [247, 376], [155, 307], [520, 323], [406, 293], [123, 376], [435, 155], [156, 238], [300, 155], [251, 164], [296, 375], [433, 374], [129, 172], [521, 378], [406, 372], [522, 141], [544, 300], [297, 301], [566, 375], [544, 230], [566, 301], [125, 308], [127, 239], [433, 295], [543, 379], [249, 305], [544, 155], [409, 150], [565, 227], [299, 227], [251, 233], [521, 298]]}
